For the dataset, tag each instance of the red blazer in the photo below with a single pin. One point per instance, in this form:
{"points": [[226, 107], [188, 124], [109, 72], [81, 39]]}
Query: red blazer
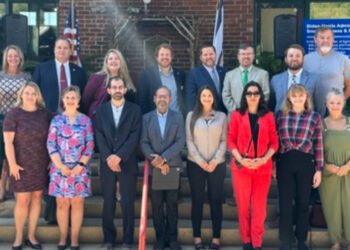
{"points": [[239, 135]]}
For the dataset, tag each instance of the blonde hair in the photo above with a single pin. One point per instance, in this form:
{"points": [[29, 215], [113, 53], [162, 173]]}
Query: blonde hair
{"points": [[5, 65], [287, 105], [39, 98], [123, 71]]}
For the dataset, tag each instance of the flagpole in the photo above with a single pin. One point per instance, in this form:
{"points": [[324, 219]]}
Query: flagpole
{"points": [[72, 22]]}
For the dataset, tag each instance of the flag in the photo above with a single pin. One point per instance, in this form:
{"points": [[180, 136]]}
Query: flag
{"points": [[71, 32], [219, 32]]}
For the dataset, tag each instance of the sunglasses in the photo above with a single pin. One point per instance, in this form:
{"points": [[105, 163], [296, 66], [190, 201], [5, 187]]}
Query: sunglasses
{"points": [[256, 93]]}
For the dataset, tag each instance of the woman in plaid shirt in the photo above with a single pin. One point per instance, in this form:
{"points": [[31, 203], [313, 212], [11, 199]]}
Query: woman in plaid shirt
{"points": [[299, 163]]}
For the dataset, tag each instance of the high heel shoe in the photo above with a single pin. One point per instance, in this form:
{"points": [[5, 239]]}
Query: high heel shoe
{"points": [[17, 247], [28, 243]]}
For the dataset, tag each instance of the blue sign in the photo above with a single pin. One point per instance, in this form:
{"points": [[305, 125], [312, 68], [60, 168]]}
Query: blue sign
{"points": [[340, 27]]}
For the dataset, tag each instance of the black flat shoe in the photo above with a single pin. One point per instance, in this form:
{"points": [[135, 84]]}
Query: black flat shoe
{"points": [[28, 243], [17, 247], [199, 246], [61, 247]]}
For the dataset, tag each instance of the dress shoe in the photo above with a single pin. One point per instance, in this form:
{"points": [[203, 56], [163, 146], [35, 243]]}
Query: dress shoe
{"points": [[174, 245], [62, 247], [28, 243], [126, 246], [214, 246], [107, 246], [285, 247], [158, 246], [302, 246], [247, 246], [17, 247], [74, 247]]}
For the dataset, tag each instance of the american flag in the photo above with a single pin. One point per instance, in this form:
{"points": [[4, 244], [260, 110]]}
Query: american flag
{"points": [[219, 32], [71, 32]]}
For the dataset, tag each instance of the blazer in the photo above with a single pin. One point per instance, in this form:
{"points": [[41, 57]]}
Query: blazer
{"points": [[45, 75], [239, 136], [199, 77], [233, 88], [150, 81], [122, 140], [171, 144], [279, 88]]}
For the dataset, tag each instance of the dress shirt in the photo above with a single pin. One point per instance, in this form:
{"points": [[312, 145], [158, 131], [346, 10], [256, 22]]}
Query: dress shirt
{"points": [[249, 70], [168, 80], [301, 132], [117, 111], [58, 71], [162, 121], [297, 77]]}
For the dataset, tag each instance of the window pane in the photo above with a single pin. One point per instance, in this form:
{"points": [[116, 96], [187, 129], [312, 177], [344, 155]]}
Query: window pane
{"points": [[330, 10], [2, 9], [19, 7]]}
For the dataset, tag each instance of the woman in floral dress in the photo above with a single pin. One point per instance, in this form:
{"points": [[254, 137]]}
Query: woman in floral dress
{"points": [[70, 145]]}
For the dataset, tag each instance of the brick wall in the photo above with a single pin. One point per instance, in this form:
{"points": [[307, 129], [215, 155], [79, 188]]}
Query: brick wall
{"points": [[96, 19]]}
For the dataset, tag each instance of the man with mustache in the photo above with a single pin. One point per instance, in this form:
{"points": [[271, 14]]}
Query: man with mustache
{"points": [[332, 67], [162, 75], [295, 74], [117, 125], [162, 139], [236, 79], [208, 73]]}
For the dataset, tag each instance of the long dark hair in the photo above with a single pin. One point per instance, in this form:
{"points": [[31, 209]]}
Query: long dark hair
{"points": [[262, 106], [198, 108]]}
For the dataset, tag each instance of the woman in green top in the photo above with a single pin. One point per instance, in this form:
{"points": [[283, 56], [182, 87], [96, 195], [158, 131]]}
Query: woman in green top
{"points": [[335, 186]]}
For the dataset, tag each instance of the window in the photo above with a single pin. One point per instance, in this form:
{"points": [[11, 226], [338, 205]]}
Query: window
{"points": [[329, 10]]}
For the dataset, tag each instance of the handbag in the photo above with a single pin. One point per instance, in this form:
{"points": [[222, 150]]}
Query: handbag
{"points": [[316, 218]]}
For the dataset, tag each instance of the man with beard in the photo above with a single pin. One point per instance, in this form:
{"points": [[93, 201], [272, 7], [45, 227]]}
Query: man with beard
{"points": [[117, 126], [332, 67], [236, 79], [295, 74], [162, 139], [208, 73], [162, 75]]}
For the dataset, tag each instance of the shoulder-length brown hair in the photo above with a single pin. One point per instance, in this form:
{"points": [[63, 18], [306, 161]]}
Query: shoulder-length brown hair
{"points": [[39, 98], [287, 105]]}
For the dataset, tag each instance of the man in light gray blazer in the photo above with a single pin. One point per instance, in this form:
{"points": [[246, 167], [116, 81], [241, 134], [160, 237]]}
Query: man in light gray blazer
{"points": [[162, 140], [295, 74], [236, 79]]}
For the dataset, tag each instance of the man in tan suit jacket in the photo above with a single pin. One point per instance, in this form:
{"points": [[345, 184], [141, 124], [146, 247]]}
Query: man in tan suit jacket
{"points": [[236, 79]]}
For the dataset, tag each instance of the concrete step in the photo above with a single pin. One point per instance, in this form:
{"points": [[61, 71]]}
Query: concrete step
{"points": [[184, 187], [94, 205], [91, 232]]}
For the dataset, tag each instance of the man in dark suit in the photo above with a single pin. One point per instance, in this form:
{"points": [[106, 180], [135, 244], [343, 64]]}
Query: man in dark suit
{"points": [[208, 73], [117, 126], [294, 58], [162, 75], [55, 75], [162, 139]]}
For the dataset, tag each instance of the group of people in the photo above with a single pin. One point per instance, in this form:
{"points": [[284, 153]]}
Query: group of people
{"points": [[52, 124]]}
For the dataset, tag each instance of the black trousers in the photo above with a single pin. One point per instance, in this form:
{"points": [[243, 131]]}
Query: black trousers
{"points": [[127, 184], [165, 214], [215, 187], [295, 170], [2, 146]]}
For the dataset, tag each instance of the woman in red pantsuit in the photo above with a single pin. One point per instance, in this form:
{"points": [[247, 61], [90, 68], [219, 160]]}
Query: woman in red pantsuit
{"points": [[252, 140]]}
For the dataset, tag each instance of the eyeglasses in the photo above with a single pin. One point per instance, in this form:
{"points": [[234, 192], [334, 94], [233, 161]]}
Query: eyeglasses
{"points": [[256, 93]]}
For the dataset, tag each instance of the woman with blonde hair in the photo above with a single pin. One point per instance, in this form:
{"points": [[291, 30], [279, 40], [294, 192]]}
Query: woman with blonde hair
{"points": [[25, 133], [299, 163], [95, 92], [334, 189], [11, 79]]}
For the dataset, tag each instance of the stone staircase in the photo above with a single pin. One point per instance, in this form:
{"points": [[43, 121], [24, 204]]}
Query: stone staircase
{"points": [[91, 232]]}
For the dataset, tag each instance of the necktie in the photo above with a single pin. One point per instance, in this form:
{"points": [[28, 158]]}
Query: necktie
{"points": [[244, 77], [63, 79], [216, 80]]}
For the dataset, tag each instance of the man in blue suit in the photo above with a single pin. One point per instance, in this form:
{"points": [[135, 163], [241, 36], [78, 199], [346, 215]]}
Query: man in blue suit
{"points": [[162, 75], [295, 74], [162, 139], [208, 73], [54, 75], [117, 125]]}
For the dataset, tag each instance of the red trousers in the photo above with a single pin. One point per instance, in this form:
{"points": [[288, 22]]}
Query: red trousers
{"points": [[251, 190]]}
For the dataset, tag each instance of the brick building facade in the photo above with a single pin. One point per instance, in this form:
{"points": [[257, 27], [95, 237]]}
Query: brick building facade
{"points": [[98, 22]]}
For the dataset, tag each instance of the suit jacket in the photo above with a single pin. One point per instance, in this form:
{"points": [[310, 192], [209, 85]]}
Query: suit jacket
{"points": [[239, 136], [150, 81], [199, 77], [279, 88], [45, 75], [122, 140], [171, 144], [233, 88]]}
